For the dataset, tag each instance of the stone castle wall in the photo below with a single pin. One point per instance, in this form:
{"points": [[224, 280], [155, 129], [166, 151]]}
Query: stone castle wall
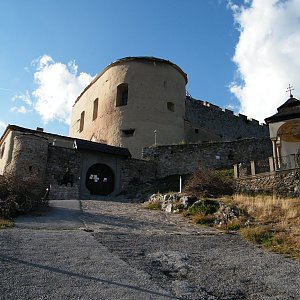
{"points": [[135, 172], [29, 159], [224, 124], [279, 183], [59, 160], [186, 159]]}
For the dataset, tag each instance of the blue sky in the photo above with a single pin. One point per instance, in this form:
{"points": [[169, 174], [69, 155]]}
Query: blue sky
{"points": [[232, 51]]}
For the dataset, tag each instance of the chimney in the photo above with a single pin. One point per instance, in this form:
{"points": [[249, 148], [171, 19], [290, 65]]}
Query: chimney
{"points": [[40, 129]]}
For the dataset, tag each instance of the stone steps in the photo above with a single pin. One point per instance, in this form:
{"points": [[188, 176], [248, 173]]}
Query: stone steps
{"points": [[62, 192]]}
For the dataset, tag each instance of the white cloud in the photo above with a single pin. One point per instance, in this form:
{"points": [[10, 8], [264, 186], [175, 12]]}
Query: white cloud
{"points": [[58, 86], [20, 109], [23, 97], [266, 55]]}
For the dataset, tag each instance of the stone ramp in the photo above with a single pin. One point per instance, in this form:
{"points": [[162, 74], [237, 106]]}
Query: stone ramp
{"points": [[61, 214]]}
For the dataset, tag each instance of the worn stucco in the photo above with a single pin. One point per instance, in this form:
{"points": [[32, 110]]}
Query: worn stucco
{"points": [[151, 85]]}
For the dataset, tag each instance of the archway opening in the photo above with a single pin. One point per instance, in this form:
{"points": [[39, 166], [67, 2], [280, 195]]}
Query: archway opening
{"points": [[100, 180]]}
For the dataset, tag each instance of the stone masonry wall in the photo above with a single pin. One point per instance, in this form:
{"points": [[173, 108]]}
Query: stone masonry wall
{"points": [[186, 159], [282, 183], [29, 160], [59, 159], [135, 172], [223, 123]]}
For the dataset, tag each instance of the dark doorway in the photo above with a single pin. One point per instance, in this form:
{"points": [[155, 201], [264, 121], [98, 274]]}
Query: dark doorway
{"points": [[100, 180]]}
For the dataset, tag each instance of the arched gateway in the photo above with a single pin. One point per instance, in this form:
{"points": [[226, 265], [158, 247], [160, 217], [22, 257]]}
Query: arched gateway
{"points": [[100, 180]]}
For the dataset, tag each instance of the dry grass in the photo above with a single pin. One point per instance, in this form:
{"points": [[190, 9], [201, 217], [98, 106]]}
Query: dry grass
{"points": [[154, 205], [275, 222], [6, 223]]}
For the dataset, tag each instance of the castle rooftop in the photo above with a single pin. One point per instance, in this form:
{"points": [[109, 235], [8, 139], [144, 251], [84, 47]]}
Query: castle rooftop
{"points": [[149, 59]]}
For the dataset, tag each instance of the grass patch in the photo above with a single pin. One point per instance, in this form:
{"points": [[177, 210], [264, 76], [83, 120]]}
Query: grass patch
{"points": [[203, 219], [155, 205], [205, 207], [6, 223], [275, 222]]}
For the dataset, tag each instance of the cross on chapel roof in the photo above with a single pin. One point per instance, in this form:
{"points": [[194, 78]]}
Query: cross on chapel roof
{"points": [[290, 89]]}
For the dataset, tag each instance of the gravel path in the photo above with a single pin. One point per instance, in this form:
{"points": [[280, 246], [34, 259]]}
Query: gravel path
{"points": [[115, 250], [191, 261]]}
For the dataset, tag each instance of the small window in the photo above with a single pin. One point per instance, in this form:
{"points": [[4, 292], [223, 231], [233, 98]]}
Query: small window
{"points": [[30, 168], [81, 125], [128, 132], [95, 109], [171, 106], [196, 130], [122, 94], [2, 150]]}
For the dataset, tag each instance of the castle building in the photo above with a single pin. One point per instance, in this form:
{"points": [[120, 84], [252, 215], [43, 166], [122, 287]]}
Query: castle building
{"points": [[136, 102]]}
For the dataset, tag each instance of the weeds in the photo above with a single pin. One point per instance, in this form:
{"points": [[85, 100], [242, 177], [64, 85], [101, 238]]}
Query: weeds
{"points": [[275, 222], [6, 223], [17, 196], [155, 205], [205, 207], [209, 184]]}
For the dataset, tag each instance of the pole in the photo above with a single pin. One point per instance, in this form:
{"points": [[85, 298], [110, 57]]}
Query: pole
{"points": [[155, 131], [180, 184]]}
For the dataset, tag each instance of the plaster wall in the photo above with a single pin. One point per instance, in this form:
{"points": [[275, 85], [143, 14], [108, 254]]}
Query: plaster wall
{"points": [[151, 85], [8, 145]]}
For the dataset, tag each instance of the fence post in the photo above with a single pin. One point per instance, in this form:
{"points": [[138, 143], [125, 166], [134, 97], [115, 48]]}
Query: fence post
{"points": [[236, 171], [252, 167], [271, 164]]}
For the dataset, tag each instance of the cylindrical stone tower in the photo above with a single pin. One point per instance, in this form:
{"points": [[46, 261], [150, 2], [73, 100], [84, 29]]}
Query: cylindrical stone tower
{"points": [[29, 159], [133, 103]]}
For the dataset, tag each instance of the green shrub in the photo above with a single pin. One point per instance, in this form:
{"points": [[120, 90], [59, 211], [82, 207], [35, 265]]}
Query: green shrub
{"points": [[205, 207]]}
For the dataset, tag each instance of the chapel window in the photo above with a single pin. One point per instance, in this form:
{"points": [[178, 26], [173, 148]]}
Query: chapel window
{"points": [[122, 94], [95, 109], [81, 125]]}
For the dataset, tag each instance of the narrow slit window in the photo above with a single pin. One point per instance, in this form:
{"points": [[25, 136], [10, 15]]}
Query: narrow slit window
{"points": [[81, 125], [2, 150], [128, 132], [95, 109], [122, 94], [171, 106]]}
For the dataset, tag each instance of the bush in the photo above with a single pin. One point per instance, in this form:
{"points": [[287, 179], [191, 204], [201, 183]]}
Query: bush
{"points": [[205, 207], [209, 183], [17, 196]]}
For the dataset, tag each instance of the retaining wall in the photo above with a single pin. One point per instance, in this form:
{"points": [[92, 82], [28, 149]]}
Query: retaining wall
{"points": [[279, 183], [186, 159]]}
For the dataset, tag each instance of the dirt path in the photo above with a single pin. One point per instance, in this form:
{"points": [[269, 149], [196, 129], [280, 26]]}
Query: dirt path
{"points": [[190, 261]]}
